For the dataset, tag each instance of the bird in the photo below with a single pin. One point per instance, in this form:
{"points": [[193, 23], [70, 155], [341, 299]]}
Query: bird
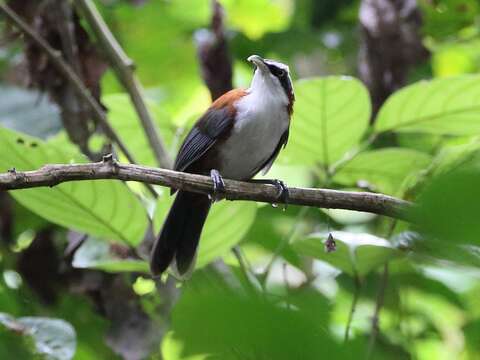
{"points": [[240, 135]]}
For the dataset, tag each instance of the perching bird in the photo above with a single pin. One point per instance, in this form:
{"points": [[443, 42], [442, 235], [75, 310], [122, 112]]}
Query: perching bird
{"points": [[240, 135]]}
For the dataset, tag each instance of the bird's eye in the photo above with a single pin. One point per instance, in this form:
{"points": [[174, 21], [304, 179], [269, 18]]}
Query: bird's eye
{"points": [[279, 73]]}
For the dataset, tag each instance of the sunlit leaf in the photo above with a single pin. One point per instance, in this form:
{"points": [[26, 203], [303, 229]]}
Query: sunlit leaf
{"points": [[458, 156], [456, 59], [330, 117], [164, 50], [355, 254], [256, 17], [125, 120], [383, 170], [106, 209], [441, 106]]}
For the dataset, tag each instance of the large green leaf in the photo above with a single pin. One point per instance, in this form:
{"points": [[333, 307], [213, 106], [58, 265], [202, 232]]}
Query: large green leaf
{"points": [[248, 327], [226, 225], [447, 214], [356, 253], [125, 120], [53, 338], [440, 106], [330, 117], [104, 208], [384, 170]]}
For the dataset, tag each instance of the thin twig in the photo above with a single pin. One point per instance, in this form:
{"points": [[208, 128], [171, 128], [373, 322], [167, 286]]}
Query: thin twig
{"points": [[124, 68], [376, 314], [380, 298], [244, 269], [60, 64], [356, 293], [287, 239], [56, 58], [51, 175]]}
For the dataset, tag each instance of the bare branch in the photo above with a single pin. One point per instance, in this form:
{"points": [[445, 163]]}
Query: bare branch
{"points": [[51, 175], [60, 64], [124, 68]]}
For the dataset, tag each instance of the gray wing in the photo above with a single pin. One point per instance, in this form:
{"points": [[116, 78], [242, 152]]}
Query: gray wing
{"points": [[213, 124]]}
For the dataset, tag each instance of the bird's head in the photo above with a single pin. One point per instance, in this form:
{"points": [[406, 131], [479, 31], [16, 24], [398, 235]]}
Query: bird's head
{"points": [[273, 78]]}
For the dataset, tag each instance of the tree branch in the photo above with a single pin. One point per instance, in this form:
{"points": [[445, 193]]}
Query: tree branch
{"points": [[51, 175], [124, 67], [62, 67]]}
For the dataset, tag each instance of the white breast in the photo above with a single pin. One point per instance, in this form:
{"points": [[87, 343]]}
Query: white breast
{"points": [[261, 122]]}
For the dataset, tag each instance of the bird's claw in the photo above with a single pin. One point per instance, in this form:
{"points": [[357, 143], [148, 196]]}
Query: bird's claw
{"points": [[283, 194], [218, 186]]}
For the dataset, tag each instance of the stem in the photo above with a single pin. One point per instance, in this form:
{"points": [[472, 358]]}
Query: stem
{"points": [[124, 68], [376, 314], [244, 268], [356, 294], [70, 75], [284, 241], [56, 58]]}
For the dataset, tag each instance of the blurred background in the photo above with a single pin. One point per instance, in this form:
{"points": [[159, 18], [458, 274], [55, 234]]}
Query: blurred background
{"points": [[74, 280]]}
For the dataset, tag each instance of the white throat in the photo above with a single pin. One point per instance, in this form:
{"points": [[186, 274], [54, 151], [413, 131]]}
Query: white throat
{"points": [[261, 121], [267, 87]]}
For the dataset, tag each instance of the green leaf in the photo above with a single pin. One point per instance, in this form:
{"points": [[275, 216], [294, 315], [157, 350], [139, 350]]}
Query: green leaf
{"points": [[385, 170], [256, 17], [458, 155], [355, 254], [447, 213], [441, 106], [248, 327], [298, 176], [97, 254], [227, 223], [53, 338], [330, 117], [103, 208], [125, 120]]}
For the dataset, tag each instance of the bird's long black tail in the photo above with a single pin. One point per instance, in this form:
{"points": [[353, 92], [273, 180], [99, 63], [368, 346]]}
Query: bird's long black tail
{"points": [[180, 233]]}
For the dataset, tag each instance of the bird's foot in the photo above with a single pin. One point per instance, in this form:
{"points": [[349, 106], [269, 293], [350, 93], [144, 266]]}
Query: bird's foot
{"points": [[218, 186], [283, 193]]}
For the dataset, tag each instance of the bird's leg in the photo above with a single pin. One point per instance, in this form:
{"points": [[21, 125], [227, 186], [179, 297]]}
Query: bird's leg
{"points": [[218, 186], [283, 194]]}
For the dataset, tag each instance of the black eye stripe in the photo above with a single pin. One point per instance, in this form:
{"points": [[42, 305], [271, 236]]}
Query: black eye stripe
{"points": [[282, 75], [276, 71]]}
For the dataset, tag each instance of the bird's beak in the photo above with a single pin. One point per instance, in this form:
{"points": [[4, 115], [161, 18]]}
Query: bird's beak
{"points": [[258, 62]]}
